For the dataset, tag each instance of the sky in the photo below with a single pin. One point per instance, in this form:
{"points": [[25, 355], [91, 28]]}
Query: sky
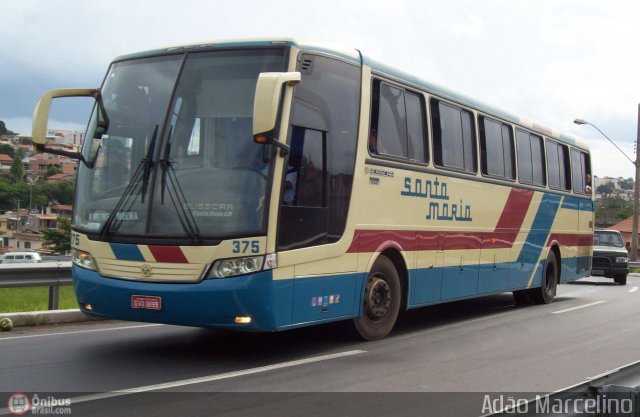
{"points": [[548, 60]]}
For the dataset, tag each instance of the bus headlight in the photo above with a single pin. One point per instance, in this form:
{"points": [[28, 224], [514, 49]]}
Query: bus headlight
{"points": [[84, 260], [237, 266], [622, 260]]}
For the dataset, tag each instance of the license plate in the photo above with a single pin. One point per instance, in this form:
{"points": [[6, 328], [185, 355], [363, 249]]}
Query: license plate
{"points": [[146, 302], [597, 272]]}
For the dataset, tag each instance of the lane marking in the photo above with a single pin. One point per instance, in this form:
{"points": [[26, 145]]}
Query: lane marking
{"points": [[209, 378], [634, 289], [81, 331], [579, 307]]}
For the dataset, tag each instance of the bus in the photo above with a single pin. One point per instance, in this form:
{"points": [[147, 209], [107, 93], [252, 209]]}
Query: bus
{"points": [[271, 184]]}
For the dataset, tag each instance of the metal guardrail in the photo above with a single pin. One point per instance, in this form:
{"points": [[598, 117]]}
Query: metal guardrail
{"points": [[45, 274], [634, 264], [615, 393]]}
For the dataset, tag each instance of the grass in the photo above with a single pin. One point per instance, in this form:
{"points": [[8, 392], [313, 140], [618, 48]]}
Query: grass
{"points": [[14, 300]]}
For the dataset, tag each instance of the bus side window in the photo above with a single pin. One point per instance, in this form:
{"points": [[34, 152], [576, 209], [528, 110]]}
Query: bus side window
{"points": [[581, 172], [397, 123]]}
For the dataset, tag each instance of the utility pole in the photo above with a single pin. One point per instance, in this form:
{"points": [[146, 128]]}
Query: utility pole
{"points": [[636, 194]]}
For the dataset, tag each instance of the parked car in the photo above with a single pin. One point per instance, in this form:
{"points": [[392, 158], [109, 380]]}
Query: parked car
{"points": [[20, 258], [610, 257]]}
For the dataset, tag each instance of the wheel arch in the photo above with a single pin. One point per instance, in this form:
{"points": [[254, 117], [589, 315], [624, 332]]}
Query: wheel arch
{"points": [[394, 252], [555, 249]]}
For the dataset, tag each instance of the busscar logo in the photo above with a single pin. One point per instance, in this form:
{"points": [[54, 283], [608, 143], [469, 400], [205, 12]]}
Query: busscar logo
{"points": [[18, 404], [146, 270]]}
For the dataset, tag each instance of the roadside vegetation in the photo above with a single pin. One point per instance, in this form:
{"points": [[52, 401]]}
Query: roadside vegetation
{"points": [[13, 300]]}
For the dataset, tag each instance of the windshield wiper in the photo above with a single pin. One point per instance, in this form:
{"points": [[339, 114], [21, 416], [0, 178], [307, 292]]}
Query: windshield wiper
{"points": [[147, 163], [139, 182], [187, 221]]}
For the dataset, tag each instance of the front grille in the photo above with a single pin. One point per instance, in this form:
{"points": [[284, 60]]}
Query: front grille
{"points": [[155, 271], [601, 262]]}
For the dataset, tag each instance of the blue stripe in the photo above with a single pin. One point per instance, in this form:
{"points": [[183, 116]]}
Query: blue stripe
{"points": [[578, 204], [126, 252], [535, 243]]}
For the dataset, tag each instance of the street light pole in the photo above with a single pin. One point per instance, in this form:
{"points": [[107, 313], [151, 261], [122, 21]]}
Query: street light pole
{"points": [[636, 192]]}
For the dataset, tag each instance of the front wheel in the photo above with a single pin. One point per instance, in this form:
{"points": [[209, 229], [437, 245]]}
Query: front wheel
{"points": [[620, 279], [547, 291], [381, 304]]}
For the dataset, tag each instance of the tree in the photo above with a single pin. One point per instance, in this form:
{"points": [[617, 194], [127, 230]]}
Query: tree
{"points": [[53, 170], [611, 210], [59, 240], [606, 189], [4, 130], [627, 184], [8, 150], [17, 169]]}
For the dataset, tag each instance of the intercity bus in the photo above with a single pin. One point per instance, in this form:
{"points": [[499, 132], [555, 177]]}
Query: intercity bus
{"points": [[272, 184]]}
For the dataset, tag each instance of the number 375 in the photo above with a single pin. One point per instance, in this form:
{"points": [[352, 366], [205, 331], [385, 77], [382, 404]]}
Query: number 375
{"points": [[246, 246]]}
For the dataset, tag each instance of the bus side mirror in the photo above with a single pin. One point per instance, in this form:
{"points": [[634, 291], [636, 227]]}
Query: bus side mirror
{"points": [[267, 102], [41, 117]]}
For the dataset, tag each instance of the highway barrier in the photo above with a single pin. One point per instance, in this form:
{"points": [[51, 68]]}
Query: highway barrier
{"points": [[45, 274]]}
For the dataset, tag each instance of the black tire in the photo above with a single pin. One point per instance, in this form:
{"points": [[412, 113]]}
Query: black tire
{"points": [[620, 279], [550, 276], [522, 297], [381, 301]]}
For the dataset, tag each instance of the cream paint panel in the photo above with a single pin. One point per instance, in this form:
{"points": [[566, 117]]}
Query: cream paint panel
{"points": [[383, 199], [330, 266], [460, 258], [283, 273], [194, 254], [426, 259], [96, 249], [495, 256], [565, 221]]}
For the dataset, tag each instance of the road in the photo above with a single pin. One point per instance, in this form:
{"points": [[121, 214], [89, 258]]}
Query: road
{"points": [[440, 360]]}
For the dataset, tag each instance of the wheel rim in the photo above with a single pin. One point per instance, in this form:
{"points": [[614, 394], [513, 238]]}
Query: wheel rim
{"points": [[377, 298]]}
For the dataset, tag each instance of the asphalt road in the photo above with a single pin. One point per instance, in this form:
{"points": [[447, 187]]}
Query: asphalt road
{"points": [[440, 360]]}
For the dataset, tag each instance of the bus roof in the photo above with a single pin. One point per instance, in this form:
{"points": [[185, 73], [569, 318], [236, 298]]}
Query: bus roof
{"points": [[354, 55]]}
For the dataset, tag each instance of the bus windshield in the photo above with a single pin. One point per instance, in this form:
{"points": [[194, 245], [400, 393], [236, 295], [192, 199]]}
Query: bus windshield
{"points": [[178, 158]]}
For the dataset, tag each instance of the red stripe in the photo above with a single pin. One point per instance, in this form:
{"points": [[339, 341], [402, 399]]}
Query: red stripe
{"points": [[504, 235], [571, 239], [172, 254], [515, 210]]}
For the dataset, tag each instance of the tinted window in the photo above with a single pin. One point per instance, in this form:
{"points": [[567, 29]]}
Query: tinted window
{"points": [[397, 123], [557, 165], [307, 162], [415, 127], [453, 137], [392, 122], [530, 158], [581, 172], [496, 141]]}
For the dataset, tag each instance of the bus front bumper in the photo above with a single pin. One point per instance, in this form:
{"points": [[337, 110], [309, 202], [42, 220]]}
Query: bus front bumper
{"points": [[256, 300]]}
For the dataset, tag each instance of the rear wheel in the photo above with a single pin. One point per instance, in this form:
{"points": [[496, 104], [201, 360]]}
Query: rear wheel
{"points": [[547, 291], [382, 299]]}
